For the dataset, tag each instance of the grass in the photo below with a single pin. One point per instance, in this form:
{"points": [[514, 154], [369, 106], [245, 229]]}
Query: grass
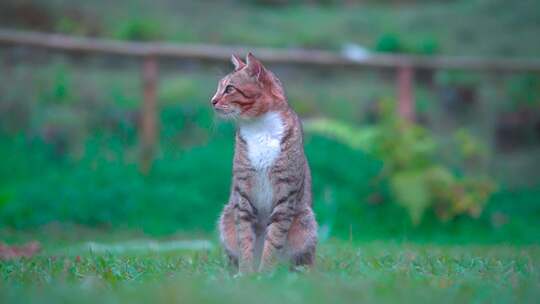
{"points": [[346, 272]]}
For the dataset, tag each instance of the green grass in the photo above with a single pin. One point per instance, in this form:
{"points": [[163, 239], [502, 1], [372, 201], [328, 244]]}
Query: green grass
{"points": [[345, 273]]}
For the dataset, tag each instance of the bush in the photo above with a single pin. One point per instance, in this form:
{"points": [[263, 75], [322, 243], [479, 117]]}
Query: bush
{"points": [[140, 30], [524, 90], [389, 43], [417, 179], [394, 43]]}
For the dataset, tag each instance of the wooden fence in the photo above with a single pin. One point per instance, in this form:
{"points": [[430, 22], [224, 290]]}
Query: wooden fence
{"points": [[151, 52]]}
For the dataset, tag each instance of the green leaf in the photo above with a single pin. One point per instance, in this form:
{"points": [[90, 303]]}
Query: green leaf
{"points": [[411, 191], [355, 137]]}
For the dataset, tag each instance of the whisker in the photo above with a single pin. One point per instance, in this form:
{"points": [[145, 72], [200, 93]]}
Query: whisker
{"points": [[213, 126]]}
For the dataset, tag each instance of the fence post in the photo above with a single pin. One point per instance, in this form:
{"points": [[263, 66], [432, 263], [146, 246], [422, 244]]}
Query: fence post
{"points": [[149, 128], [405, 82]]}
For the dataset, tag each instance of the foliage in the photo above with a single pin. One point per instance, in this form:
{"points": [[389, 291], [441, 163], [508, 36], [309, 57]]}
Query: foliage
{"points": [[469, 146], [456, 78], [389, 43], [104, 187], [478, 28], [294, 2], [427, 46], [60, 86], [75, 22], [377, 272], [72, 158], [417, 179], [139, 29], [98, 184], [524, 90], [393, 43]]}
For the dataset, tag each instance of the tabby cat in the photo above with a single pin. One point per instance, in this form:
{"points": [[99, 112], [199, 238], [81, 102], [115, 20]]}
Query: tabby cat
{"points": [[269, 217]]}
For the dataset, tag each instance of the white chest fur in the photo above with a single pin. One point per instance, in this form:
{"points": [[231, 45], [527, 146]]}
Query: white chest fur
{"points": [[263, 138]]}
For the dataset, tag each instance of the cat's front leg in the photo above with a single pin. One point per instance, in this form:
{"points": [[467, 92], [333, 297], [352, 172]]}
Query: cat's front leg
{"points": [[277, 230], [245, 223]]}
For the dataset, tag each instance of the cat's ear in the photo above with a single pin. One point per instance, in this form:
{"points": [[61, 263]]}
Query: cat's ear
{"points": [[254, 67], [238, 63]]}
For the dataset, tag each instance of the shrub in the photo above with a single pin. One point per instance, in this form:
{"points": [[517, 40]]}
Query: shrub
{"points": [[389, 43], [140, 30], [524, 90], [394, 43], [418, 180]]}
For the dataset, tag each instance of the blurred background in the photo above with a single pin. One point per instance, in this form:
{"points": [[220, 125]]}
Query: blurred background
{"points": [[444, 155]]}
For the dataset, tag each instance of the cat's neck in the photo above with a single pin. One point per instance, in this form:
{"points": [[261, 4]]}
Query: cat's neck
{"points": [[270, 124], [263, 137]]}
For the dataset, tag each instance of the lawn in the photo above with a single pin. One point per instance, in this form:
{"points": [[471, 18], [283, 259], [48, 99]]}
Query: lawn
{"points": [[346, 272]]}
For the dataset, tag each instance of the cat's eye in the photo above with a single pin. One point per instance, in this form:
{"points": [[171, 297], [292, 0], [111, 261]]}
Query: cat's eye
{"points": [[229, 89]]}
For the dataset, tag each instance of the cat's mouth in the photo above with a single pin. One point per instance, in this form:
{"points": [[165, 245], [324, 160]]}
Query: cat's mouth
{"points": [[226, 113]]}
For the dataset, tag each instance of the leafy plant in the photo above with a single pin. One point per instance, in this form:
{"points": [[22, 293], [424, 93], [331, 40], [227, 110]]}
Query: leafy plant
{"points": [[140, 30], [457, 78], [394, 43], [389, 43], [418, 180], [60, 89], [427, 46], [524, 90]]}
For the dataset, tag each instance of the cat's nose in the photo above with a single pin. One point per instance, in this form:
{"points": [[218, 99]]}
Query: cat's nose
{"points": [[214, 101]]}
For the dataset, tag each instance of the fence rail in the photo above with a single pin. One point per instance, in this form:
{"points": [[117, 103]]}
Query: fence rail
{"points": [[293, 56], [151, 52]]}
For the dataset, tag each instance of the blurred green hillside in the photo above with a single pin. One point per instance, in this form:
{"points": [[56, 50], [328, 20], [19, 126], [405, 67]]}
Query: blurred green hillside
{"points": [[475, 27]]}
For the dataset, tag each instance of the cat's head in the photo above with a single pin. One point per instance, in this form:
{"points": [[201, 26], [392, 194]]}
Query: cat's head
{"points": [[249, 91]]}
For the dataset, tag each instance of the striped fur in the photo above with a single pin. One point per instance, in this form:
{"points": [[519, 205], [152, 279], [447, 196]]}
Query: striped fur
{"points": [[269, 215]]}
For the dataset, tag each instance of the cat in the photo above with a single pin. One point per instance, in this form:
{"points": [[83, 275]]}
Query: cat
{"points": [[269, 216]]}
